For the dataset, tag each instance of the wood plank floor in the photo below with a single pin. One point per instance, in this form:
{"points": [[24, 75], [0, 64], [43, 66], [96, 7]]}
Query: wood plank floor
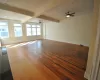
{"points": [[47, 60]]}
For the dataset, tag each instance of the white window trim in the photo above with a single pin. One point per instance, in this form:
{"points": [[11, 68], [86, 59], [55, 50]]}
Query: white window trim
{"points": [[21, 30], [7, 27], [33, 27]]}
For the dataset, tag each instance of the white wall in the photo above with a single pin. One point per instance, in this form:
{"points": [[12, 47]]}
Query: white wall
{"points": [[13, 39], [76, 30]]}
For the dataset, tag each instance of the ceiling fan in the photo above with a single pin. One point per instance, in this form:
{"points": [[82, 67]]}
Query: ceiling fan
{"points": [[70, 14]]}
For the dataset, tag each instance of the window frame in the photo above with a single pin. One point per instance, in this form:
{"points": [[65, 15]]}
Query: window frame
{"points": [[27, 28], [31, 24], [7, 26], [20, 26]]}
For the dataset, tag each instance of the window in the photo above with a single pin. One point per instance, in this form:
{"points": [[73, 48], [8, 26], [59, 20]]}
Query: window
{"points": [[28, 27], [38, 30], [4, 33], [33, 29], [18, 30]]}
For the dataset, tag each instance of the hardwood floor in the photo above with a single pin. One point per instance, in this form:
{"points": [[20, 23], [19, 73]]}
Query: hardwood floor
{"points": [[47, 60]]}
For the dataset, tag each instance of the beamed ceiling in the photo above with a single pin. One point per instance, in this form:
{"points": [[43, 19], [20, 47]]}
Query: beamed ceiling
{"points": [[52, 10]]}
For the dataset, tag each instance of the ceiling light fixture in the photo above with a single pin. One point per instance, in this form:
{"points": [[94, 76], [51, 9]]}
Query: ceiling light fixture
{"points": [[67, 16], [70, 14]]}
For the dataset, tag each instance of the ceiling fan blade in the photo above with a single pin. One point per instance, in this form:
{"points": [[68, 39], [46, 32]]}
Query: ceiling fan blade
{"points": [[73, 13], [68, 12]]}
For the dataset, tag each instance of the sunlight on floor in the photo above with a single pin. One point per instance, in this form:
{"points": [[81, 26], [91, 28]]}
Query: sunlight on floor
{"points": [[21, 44]]}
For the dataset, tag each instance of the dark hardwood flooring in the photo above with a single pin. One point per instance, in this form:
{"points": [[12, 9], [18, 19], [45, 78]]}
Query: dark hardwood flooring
{"points": [[48, 60]]}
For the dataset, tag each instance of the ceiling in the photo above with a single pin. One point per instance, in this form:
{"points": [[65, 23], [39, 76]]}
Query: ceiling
{"points": [[53, 10], [12, 15], [77, 6]]}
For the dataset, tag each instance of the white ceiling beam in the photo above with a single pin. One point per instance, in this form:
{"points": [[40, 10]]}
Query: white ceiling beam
{"points": [[50, 4], [48, 18], [15, 9], [38, 13]]}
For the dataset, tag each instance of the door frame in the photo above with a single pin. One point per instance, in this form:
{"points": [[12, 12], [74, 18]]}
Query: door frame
{"points": [[96, 58]]}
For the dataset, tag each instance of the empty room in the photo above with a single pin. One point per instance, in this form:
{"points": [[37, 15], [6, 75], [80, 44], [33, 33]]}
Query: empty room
{"points": [[49, 40]]}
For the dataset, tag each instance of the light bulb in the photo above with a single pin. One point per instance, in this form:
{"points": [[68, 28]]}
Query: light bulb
{"points": [[67, 15]]}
